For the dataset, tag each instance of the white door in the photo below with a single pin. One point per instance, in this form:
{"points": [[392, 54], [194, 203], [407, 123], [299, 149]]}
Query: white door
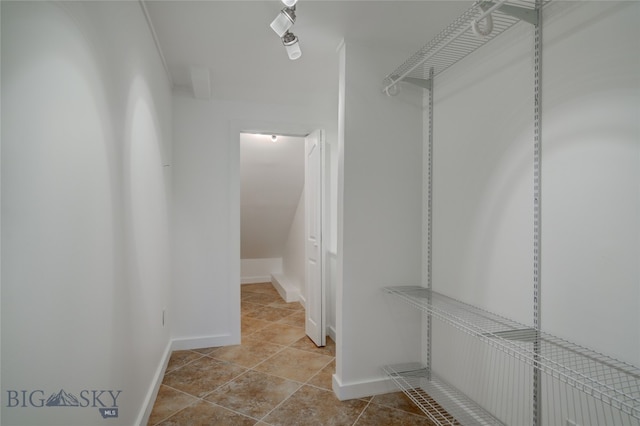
{"points": [[315, 316]]}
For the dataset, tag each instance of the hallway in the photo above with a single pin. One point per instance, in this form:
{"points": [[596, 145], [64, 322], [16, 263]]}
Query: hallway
{"points": [[277, 376]]}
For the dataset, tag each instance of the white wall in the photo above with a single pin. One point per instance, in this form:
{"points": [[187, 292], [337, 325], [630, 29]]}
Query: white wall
{"points": [[259, 270], [483, 177], [293, 264], [591, 178], [206, 296], [483, 181], [379, 218], [86, 131], [271, 179]]}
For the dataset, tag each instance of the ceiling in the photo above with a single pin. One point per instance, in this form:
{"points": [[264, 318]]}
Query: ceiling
{"points": [[231, 41], [247, 61]]}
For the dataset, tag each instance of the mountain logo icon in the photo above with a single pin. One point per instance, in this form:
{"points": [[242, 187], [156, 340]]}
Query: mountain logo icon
{"points": [[62, 399]]}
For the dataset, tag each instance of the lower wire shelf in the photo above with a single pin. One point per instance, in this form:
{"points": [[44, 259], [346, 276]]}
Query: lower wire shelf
{"points": [[442, 403], [611, 381]]}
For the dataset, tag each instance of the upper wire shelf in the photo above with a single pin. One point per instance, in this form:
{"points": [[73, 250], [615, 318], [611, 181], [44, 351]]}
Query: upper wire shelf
{"points": [[611, 381], [460, 38]]}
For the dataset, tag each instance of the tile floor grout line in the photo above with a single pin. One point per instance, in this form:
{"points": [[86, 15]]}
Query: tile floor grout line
{"points": [[224, 384], [279, 316], [202, 399], [187, 363], [355, 422], [282, 402], [232, 410], [173, 414]]}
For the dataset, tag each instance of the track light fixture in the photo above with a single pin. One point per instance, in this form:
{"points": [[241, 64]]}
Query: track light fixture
{"points": [[282, 24], [290, 42], [285, 20]]}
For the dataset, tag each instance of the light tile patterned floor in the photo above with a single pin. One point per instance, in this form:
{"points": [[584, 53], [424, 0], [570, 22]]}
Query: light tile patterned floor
{"points": [[277, 376]]}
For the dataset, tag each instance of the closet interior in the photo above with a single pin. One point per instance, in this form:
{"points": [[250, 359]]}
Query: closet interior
{"points": [[508, 371]]}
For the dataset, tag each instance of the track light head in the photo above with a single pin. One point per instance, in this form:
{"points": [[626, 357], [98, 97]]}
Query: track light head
{"points": [[289, 3], [285, 20], [290, 42]]}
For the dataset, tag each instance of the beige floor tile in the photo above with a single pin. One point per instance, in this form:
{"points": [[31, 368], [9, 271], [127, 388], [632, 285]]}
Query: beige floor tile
{"points": [[292, 306], [399, 401], [247, 307], [245, 294], [296, 319], [279, 334], [180, 358], [306, 344], [294, 364], [277, 376], [250, 325], [376, 415], [254, 394], [263, 298], [168, 402], [204, 351], [266, 287], [311, 406], [207, 414], [324, 378], [202, 376], [249, 353], [267, 313]]}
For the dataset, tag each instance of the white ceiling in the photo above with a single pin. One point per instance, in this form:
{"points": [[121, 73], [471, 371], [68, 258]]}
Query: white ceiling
{"points": [[247, 60], [271, 182]]}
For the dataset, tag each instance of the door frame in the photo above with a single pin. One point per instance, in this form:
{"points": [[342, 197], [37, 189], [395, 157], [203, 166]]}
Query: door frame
{"points": [[236, 127]]}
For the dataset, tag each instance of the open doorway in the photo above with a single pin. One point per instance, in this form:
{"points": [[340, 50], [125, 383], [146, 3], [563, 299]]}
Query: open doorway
{"points": [[281, 217]]}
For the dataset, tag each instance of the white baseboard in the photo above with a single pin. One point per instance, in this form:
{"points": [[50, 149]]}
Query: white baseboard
{"points": [[287, 290], [177, 345], [204, 342], [331, 332], [152, 393], [255, 280], [362, 389]]}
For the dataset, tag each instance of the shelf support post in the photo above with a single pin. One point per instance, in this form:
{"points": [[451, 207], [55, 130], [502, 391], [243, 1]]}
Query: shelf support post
{"points": [[427, 233], [537, 212]]}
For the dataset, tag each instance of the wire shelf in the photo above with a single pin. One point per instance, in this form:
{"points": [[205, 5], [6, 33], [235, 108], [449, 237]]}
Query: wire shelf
{"points": [[613, 382], [459, 39], [441, 402]]}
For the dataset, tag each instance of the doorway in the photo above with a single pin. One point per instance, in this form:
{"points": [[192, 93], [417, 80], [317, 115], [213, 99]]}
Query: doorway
{"points": [[281, 218]]}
